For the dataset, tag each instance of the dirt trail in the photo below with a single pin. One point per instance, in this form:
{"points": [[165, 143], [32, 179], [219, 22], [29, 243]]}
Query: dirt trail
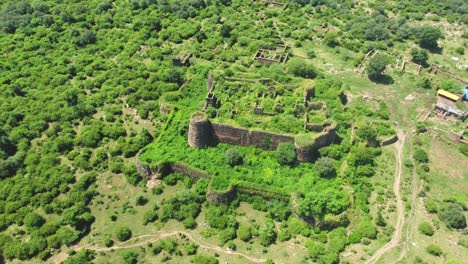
{"points": [[412, 215], [151, 239], [399, 145]]}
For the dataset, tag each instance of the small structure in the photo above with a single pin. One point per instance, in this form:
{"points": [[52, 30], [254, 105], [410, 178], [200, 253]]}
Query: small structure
{"points": [[280, 55], [448, 95], [182, 60], [447, 110], [212, 100]]}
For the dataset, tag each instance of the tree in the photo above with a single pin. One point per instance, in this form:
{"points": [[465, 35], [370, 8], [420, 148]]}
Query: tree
{"points": [[232, 157], [426, 229], [124, 234], [325, 167], [301, 68], [331, 39], [88, 37], [453, 216], [419, 56], [376, 66], [33, 220], [286, 154], [267, 233], [428, 37], [129, 257]]}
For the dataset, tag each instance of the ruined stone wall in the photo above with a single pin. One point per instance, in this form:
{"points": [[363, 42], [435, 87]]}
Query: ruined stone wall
{"points": [[267, 140], [203, 133], [243, 137], [186, 170], [327, 137], [230, 135], [144, 170], [221, 197]]}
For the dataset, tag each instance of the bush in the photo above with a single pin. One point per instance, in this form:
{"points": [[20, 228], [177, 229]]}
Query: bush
{"points": [[426, 229], [434, 250], [267, 233], [421, 156], [141, 200], [325, 167], [233, 157], [244, 233], [204, 259], [301, 68], [150, 217], [108, 242], [453, 216], [33, 220], [286, 154], [431, 206], [189, 223], [124, 234], [376, 66], [419, 56]]}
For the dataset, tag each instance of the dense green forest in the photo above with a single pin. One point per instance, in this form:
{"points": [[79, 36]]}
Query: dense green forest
{"points": [[81, 84]]}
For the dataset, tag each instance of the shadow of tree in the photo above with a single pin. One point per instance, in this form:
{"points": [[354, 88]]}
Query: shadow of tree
{"points": [[382, 79]]}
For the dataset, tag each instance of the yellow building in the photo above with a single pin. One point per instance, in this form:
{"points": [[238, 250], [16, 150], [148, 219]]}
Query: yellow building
{"points": [[448, 95]]}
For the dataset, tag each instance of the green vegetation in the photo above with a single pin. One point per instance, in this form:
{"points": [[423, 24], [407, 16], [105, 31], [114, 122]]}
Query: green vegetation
{"points": [[286, 154], [88, 87], [434, 250], [426, 229], [453, 216], [233, 157]]}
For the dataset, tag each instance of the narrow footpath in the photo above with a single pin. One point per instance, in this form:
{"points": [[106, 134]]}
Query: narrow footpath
{"points": [[396, 238]]}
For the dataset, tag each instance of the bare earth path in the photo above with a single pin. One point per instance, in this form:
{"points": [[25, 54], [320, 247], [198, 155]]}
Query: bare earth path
{"points": [[151, 239], [399, 145]]}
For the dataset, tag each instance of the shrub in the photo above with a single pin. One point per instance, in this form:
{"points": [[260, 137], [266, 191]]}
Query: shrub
{"points": [[286, 154], [325, 167], [150, 217], [301, 68], [267, 233], [189, 223], [453, 216], [33, 220], [421, 156], [204, 259], [233, 157], [426, 229], [434, 250], [141, 200], [376, 66], [431, 206], [428, 37], [419, 56], [244, 233], [108, 242], [124, 234]]}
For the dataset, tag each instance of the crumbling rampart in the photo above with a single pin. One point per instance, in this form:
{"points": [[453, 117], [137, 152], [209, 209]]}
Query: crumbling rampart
{"points": [[203, 132]]}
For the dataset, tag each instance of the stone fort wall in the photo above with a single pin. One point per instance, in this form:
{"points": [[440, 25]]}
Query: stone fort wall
{"points": [[204, 133]]}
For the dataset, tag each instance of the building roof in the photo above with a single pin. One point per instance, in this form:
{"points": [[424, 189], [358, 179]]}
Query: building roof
{"points": [[448, 95]]}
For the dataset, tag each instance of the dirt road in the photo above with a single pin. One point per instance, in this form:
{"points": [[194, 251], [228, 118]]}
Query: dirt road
{"points": [[151, 239], [399, 146]]}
